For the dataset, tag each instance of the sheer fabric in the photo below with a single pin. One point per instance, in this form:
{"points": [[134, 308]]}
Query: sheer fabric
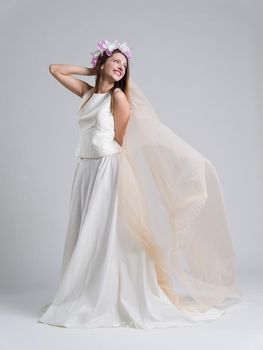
{"points": [[171, 203]]}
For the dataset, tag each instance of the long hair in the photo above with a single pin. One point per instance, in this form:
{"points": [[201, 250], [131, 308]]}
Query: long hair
{"points": [[123, 84]]}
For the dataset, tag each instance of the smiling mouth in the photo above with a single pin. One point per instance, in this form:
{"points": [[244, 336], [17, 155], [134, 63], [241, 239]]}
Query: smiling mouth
{"points": [[117, 73]]}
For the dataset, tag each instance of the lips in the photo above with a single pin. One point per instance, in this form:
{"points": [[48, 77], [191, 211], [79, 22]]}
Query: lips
{"points": [[117, 72]]}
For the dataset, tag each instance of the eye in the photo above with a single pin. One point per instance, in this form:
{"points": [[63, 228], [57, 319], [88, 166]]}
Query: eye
{"points": [[125, 66]]}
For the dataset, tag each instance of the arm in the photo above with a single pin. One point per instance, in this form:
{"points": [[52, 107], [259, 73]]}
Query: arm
{"points": [[121, 113], [62, 72]]}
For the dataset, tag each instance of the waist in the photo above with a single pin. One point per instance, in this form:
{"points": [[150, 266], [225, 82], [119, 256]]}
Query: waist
{"points": [[96, 147]]}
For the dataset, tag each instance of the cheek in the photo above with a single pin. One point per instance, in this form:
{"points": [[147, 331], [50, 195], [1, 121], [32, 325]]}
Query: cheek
{"points": [[112, 65]]}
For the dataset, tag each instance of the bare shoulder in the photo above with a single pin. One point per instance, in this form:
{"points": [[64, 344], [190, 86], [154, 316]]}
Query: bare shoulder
{"points": [[118, 92], [121, 108], [119, 98]]}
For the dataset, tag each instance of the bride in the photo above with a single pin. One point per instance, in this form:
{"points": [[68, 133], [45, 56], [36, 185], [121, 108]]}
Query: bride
{"points": [[148, 243]]}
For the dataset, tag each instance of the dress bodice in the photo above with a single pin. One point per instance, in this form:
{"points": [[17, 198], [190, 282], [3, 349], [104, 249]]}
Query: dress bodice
{"points": [[96, 127]]}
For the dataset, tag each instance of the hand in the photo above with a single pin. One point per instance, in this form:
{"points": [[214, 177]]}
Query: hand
{"points": [[92, 71]]}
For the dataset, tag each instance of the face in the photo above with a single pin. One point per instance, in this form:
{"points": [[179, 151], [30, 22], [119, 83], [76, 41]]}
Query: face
{"points": [[115, 66]]}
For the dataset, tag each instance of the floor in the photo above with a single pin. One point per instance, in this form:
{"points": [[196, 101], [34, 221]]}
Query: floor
{"points": [[240, 328]]}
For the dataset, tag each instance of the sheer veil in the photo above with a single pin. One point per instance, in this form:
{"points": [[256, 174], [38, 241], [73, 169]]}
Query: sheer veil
{"points": [[172, 205]]}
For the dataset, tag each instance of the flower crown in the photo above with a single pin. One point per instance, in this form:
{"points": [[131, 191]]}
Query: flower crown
{"points": [[109, 47]]}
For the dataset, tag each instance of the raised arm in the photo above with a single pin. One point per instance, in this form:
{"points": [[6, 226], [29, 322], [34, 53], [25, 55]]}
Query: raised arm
{"points": [[63, 72]]}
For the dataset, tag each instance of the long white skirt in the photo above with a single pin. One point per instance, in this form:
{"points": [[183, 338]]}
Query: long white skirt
{"points": [[107, 279]]}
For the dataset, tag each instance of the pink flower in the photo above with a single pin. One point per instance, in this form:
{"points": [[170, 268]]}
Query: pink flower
{"points": [[102, 45], [109, 47], [108, 52]]}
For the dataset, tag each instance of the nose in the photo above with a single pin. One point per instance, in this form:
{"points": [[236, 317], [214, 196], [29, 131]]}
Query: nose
{"points": [[121, 65]]}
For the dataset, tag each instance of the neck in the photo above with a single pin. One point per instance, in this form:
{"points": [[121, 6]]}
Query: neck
{"points": [[105, 86]]}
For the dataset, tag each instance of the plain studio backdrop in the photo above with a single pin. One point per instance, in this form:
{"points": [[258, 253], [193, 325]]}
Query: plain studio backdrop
{"points": [[198, 62]]}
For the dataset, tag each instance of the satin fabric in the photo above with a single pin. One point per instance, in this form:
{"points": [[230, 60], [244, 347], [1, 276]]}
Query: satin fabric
{"points": [[107, 279], [96, 126]]}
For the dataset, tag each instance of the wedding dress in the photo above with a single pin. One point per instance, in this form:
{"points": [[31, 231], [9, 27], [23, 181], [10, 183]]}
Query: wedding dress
{"points": [[148, 244]]}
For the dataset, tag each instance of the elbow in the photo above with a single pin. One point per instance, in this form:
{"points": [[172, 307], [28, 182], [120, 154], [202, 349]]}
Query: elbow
{"points": [[51, 69], [118, 138]]}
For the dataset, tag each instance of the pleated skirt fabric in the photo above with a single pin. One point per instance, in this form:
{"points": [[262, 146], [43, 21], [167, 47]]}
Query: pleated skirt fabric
{"points": [[107, 279]]}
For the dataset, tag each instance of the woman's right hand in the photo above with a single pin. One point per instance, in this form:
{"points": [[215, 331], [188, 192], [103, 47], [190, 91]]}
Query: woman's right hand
{"points": [[92, 71]]}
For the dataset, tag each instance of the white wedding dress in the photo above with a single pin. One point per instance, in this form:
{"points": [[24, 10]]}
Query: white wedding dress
{"points": [[108, 278]]}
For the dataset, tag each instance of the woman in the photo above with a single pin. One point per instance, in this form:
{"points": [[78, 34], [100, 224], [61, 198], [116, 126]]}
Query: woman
{"points": [[147, 214]]}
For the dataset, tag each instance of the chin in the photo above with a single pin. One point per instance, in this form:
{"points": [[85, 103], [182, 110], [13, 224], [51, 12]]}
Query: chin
{"points": [[116, 78]]}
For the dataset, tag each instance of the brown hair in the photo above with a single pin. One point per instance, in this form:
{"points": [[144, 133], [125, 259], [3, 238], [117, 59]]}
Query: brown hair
{"points": [[123, 84]]}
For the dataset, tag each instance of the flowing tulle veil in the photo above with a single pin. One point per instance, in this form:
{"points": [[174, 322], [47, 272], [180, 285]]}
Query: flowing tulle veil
{"points": [[171, 203]]}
